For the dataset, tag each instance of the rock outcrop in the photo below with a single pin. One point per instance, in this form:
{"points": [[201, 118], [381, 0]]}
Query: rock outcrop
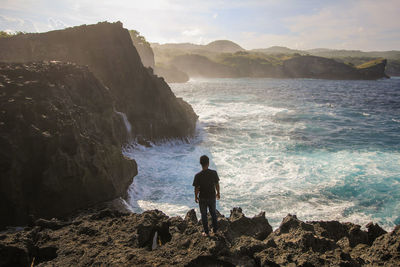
{"points": [[60, 140], [107, 49], [61, 130], [110, 237]]}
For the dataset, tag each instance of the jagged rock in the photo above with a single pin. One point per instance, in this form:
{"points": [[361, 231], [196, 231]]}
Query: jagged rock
{"points": [[257, 227], [131, 239], [13, 256], [191, 216], [385, 250], [60, 142], [52, 224], [374, 231]]}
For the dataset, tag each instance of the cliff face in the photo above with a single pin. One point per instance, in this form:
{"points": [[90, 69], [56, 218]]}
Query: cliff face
{"points": [[109, 237], [60, 134], [108, 51], [60, 142]]}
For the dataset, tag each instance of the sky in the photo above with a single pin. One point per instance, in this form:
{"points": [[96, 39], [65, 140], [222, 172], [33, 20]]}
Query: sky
{"points": [[368, 25]]}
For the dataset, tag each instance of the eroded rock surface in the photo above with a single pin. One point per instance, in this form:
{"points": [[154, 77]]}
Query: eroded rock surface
{"points": [[110, 237], [60, 142]]}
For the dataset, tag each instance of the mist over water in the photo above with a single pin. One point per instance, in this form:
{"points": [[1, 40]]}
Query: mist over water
{"points": [[321, 149]]}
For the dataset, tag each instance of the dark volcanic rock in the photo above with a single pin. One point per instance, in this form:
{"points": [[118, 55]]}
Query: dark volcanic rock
{"points": [[60, 143], [108, 51], [152, 239], [374, 231]]}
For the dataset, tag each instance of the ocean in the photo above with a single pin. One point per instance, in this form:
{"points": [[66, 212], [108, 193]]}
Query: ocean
{"points": [[320, 149]]}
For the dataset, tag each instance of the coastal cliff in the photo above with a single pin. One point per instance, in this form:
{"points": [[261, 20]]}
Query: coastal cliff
{"points": [[61, 125], [111, 237], [325, 68], [107, 49], [60, 142], [245, 64], [225, 59]]}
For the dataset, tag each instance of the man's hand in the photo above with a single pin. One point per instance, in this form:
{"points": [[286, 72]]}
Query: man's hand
{"points": [[218, 196], [196, 199]]}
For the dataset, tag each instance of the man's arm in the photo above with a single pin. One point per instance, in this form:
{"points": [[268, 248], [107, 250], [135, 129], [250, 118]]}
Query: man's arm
{"points": [[196, 194], [217, 187]]}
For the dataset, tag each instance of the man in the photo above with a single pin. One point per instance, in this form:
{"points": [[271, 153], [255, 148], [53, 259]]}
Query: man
{"points": [[205, 183]]}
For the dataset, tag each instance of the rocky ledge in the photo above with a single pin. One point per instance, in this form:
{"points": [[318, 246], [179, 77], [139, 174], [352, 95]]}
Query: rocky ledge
{"points": [[114, 238]]}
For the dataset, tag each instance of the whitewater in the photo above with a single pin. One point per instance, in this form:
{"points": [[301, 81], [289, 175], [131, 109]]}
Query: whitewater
{"points": [[320, 149]]}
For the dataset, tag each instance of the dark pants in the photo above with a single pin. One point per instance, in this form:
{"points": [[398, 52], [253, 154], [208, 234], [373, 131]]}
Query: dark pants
{"points": [[210, 203]]}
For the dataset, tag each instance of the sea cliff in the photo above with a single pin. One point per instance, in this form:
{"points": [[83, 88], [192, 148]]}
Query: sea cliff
{"points": [[115, 238], [107, 49], [61, 126], [60, 142]]}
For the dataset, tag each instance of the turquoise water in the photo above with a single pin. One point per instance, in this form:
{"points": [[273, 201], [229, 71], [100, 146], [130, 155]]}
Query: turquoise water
{"points": [[320, 149]]}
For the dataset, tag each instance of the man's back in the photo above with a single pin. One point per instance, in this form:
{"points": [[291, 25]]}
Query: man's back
{"points": [[206, 181]]}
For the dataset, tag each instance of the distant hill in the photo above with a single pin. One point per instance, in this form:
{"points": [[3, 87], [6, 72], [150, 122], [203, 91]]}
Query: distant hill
{"points": [[331, 53], [223, 46], [219, 46], [277, 50], [354, 57], [224, 58], [177, 46]]}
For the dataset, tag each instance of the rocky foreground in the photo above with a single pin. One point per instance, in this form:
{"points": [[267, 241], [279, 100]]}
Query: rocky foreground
{"points": [[110, 237]]}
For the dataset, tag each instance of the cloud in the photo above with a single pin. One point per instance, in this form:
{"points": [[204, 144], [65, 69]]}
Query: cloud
{"points": [[13, 24], [356, 24], [192, 32], [351, 24], [56, 24]]}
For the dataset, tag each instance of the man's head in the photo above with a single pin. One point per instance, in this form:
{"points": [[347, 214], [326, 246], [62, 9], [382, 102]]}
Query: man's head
{"points": [[204, 161]]}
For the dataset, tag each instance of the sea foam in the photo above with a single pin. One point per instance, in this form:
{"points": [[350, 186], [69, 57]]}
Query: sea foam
{"points": [[304, 147]]}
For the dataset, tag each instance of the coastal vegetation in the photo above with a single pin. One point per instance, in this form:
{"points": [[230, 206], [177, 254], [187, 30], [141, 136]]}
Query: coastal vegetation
{"points": [[262, 62]]}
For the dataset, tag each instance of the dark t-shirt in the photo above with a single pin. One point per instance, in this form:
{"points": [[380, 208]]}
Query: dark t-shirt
{"points": [[206, 180]]}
